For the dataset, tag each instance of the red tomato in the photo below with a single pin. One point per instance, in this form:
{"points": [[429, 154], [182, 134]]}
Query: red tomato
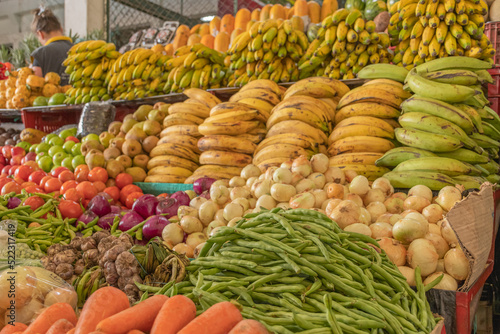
{"points": [[70, 209], [73, 195], [52, 185], [164, 195], [87, 189], [123, 179], [81, 168], [100, 186], [72, 139], [114, 192], [66, 176], [34, 189], [3, 181], [68, 185], [98, 174], [58, 170], [85, 203], [37, 176], [6, 170], [6, 151], [44, 180], [111, 183], [11, 187], [24, 172], [131, 198], [18, 180], [16, 150], [13, 169], [16, 160], [82, 176], [28, 184], [34, 201], [127, 190]]}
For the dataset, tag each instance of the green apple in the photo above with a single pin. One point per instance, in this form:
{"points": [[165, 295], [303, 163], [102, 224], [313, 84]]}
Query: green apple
{"points": [[33, 148], [68, 163], [68, 146], [56, 141], [65, 133], [73, 131], [78, 160], [45, 163], [76, 149], [55, 149], [41, 155], [58, 158], [48, 137], [91, 136], [25, 145], [42, 147]]}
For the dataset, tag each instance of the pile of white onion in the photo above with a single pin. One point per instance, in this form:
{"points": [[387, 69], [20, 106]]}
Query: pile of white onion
{"points": [[411, 228]]}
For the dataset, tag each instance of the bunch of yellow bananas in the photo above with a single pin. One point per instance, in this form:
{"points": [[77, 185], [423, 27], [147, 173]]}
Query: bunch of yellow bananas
{"points": [[136, 74], [87, 64], [424, 30], [176, 155], [269, 50], [365, 124], [344, 45], [194, 66], [301, 123], [233, 130]]}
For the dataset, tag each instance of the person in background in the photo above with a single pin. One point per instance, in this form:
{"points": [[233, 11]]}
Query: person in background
{"points": [[54, 50]]}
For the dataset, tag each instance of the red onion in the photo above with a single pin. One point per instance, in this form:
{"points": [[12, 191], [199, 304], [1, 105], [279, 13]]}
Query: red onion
{"points": [[154, 226], [181, 197], [13, 203], [99, 205], [205, 194], [86, 217], [107, 197], [107, 221], [145, 205], [129, 220], [168, 207], [202, 184], [115, 209]]}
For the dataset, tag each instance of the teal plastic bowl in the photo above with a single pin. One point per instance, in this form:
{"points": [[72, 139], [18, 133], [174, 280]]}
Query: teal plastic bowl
{"points": [[160, 188]]}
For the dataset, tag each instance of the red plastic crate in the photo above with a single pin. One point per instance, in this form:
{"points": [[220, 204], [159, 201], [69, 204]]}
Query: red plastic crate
{"points": [[50, 119], [494, 88], [494, 104], [492, 31]]}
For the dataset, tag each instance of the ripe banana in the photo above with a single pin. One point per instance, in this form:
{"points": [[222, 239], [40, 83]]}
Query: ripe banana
{"points": [[181, 119], [292, 127], [259, 104], [165, 179], [277, 151], [447, 166], [366, 109], [427, 140], [227, 128], [264, 84], [433, 180], [397, 155], [225, 158], [225, 107], [234, 116], [299, 114], [184, 130], [273, 162], [361, 126], [183, 140], [174, 149], [199, 110], [170, 170], [360, 144], [340, 87], [254, 138], [440, 91], [226, 143], [465, 155], [297, 139], [203, 96], [257, 93], [312, 89], [369, 94], [440, 109], [173, 161], [358, 158]]}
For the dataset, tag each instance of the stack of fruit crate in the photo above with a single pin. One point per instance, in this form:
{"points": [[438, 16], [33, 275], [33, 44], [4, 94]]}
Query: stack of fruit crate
{"points": [[492, 31]]}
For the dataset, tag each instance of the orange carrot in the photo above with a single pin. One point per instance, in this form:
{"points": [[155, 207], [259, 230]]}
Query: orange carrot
{"points": [[102, 304], [176, 313], [218, 319], [249, 326], [141, 316], [135, 331], [49, 316], [71, 331], [61, 326], [10, 329]]}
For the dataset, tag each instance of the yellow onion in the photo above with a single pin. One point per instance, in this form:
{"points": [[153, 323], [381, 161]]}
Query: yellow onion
{"points": [[439, 243], [346, 213], [359, 228], [422, 253], [448, 196], [394, 205], [376, 209], [456, 264], [394, 250], [320, 163], [416, 203], [384, 185], [421, 191], [409, 273], [381, 230], [359, 185], [373, 195], [407, 229], [335, 174], [448, 234], [447, 282], [302, 166], [433, 213]]}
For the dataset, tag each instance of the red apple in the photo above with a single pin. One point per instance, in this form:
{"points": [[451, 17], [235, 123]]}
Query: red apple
{"points": [[6, 169], [72, 139], [2, 160], [16, 160], [6, 151], [58, 170], [31, 156], [16, 150]]}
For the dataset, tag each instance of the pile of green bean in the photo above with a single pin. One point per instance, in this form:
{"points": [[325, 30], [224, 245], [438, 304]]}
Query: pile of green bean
{"points": [[296, 271]]}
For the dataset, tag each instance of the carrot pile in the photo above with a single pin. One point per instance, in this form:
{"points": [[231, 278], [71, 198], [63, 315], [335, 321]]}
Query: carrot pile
{"points": [[107, 311]]}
